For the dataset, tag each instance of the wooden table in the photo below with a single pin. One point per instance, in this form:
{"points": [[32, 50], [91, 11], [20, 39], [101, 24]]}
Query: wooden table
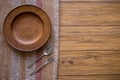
{"points": [[89, 40]]}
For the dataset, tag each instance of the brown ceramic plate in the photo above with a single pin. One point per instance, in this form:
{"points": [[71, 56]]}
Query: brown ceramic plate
{"points": [[27, 28]]}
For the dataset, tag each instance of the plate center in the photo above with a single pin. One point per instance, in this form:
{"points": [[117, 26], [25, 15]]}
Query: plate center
{"points": [[27, 28]]}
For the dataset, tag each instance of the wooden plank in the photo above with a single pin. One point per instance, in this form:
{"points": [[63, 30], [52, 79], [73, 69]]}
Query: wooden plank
{"points": [[89, 29], [89, 45], [97, 77], [89, 13], [90, 37], [4, 60], [89, 62]]}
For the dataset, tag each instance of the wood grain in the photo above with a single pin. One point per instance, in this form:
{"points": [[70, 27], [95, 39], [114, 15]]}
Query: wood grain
{"points": [[89, 40], [94, 77], [89, 13], [89, 29], [89, 62], [77, 45]]}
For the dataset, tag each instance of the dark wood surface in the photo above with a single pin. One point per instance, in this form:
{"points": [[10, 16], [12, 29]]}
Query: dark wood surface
{"points": [[89, 40]]}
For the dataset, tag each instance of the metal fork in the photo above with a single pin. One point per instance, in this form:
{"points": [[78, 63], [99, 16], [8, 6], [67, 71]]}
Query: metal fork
{"points": [[50, 60], [46, 52]]}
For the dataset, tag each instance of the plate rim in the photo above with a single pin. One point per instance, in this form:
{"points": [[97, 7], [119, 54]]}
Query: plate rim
{"points": [[9, 38]]}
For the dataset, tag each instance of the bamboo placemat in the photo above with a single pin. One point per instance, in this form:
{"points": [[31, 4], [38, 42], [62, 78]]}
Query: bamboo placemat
{"points": [[14, 63]]}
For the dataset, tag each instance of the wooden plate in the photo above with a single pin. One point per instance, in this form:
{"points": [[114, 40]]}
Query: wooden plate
{"points": [[27, 28]]}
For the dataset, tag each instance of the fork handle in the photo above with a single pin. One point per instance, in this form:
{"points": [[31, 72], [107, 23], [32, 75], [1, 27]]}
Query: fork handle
{"points": [[30, 65], [38, 69]]}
